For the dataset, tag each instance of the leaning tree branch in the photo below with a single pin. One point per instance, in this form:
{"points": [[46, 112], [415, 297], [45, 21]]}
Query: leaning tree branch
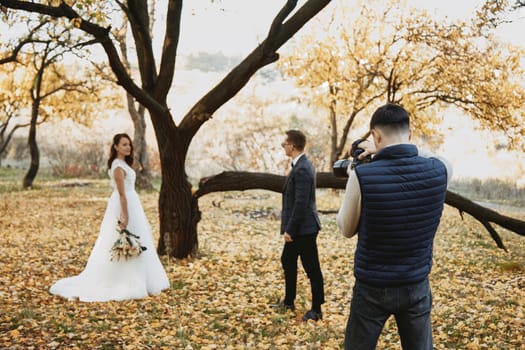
{"points": [[169, 50], [242, 181], [264, 54], [277, 25], [12, 57], [138, 16]]}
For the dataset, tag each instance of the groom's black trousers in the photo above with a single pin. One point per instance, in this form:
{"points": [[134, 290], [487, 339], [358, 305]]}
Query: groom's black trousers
{"points": [[306, 248]]}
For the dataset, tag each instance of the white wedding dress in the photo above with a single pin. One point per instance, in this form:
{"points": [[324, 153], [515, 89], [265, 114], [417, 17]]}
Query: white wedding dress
{"points": [[103, 279]]}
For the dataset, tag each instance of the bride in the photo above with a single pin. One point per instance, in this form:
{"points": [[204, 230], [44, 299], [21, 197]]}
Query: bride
{"points": [[102, 278]]}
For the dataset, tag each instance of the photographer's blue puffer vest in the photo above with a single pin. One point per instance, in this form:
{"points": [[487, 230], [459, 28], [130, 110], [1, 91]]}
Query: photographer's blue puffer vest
{"points": [[402, 198]]}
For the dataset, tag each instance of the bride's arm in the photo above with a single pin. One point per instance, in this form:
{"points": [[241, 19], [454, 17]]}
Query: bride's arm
{"points": [[119, 176]]}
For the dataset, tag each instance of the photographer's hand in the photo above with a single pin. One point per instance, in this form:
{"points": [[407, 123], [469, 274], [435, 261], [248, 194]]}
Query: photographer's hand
{"points": [[368, 147]]}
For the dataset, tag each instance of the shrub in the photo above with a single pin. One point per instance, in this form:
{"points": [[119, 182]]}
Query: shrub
{"points": [[490, 190], [86, 159]]}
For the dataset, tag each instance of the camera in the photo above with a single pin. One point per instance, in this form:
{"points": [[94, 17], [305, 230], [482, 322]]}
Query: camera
{"points": [[340, 167]]}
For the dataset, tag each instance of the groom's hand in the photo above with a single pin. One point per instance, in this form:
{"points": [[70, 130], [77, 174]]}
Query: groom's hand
{"points": [[287, 237]]}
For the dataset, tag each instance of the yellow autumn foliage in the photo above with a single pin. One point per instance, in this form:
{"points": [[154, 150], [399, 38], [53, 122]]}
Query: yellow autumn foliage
{"points": [[220, 299], [380, 51]]}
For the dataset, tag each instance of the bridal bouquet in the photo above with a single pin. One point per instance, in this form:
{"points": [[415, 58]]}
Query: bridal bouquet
{"points": [[126, 246]]}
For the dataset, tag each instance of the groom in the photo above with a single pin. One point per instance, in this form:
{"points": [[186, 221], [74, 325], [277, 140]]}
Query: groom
{"points": [[300, 225]]}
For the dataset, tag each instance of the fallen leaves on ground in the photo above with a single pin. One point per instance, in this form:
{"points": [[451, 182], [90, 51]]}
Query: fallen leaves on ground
{"points": [[220, 299]]}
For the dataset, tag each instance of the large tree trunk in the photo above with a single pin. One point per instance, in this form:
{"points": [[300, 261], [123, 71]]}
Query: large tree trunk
{"points": [[178, 212], [178, 208], [241, 181]]}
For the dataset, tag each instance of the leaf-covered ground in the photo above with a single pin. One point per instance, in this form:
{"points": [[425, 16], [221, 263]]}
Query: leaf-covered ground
{"points": [[220, 300]]}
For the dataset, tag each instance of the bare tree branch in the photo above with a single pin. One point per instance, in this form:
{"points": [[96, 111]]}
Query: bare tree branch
{"points": [[10, 111], [169, 50], [102, 36], [21, 44], [277, 24], [139, 22], [64, 87], [262, 55]]}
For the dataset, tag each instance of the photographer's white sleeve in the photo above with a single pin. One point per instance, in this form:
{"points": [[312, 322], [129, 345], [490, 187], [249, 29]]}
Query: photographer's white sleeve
{"points": [[348, 216]]}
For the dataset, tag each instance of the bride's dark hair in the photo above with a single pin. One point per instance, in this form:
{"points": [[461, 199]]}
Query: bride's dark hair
{"points": [[113, 151]]}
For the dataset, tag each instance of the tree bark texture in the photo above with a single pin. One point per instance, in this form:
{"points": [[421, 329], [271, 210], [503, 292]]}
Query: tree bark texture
{"points": [[178, 209], [242, 181]]}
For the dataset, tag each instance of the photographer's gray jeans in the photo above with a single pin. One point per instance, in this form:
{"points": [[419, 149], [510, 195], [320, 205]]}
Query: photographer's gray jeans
{"points": [[372, 306]]}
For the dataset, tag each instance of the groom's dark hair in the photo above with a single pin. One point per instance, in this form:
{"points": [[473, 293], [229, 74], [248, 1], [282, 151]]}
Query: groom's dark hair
{"points": [[296, 138]]}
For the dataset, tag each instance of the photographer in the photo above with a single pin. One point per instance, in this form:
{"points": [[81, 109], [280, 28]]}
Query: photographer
{"points": [[394, 204]]}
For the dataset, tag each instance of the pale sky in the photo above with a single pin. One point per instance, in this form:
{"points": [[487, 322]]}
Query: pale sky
{"points": [[236, 26]]}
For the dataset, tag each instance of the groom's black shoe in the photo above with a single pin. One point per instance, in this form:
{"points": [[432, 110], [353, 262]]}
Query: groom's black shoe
{"points": [[313, 315], [281, 306]]}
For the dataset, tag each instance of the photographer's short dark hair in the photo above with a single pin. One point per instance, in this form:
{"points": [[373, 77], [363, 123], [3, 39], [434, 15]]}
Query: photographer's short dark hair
{"points": [[296, 138], [391, 116]]}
